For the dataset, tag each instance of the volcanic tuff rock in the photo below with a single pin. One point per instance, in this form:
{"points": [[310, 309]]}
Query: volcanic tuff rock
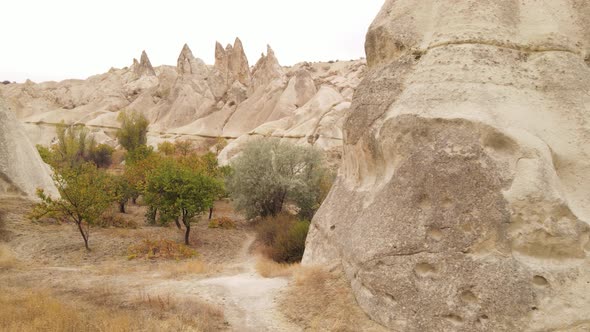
{"points": [[304, 103], [464, 198], [21, 169], [144, 67]]}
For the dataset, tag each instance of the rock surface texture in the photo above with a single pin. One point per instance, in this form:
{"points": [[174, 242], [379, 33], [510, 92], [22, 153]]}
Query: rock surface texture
{"points": [[21, 169], [463, 201], [305, 103]]}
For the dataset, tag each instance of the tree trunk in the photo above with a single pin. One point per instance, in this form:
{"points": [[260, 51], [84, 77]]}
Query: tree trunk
{"points": [[122, 207], [187, 233], [177, 221], [134, 200], [84, 236], [210, 212], [187, 224]]}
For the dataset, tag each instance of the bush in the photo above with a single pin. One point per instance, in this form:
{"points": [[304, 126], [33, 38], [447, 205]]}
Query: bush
{"points": [[284, 237], [116, 221], [290, 245], [223, 222], [160, 249]]}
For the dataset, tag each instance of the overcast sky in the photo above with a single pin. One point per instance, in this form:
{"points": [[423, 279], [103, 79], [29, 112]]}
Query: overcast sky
{"points": [[58, 39]]}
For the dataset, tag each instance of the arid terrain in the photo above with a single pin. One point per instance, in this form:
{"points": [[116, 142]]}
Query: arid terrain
{"points": [[48, 279]]}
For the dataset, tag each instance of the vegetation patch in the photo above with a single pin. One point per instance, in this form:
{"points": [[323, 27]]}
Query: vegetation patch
{"points": [[114, 220], [160, 249], [271, 269], [223, 222], [283, 237], [321, 300]]}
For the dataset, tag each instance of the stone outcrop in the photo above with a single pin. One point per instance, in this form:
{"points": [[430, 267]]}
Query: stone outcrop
{"points": [[22, 171], [143, 67], [196, 101], [463, 201]]}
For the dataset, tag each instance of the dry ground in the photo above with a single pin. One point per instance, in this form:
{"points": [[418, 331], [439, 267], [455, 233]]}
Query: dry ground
{"points": [[48, 281]]}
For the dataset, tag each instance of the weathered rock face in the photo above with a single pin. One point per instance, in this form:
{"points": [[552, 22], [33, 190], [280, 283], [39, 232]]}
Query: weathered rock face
{"points": [[199, 102], [144, 67], [21, 169], [464, 198]]}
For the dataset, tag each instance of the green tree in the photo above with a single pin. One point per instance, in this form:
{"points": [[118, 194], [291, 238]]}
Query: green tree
{"points": [[85, 195], [167, 148], [101, 155], [179, 192], [184, 147], [122, 191], [269, 173], [72, 146], [133, 131]]}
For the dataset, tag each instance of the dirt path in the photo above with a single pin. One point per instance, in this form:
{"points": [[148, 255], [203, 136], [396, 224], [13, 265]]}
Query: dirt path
{"points": [[249, 299]]}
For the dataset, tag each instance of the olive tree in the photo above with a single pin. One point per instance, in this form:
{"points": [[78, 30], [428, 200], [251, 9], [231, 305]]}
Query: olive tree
{"points": [[268, 173]]}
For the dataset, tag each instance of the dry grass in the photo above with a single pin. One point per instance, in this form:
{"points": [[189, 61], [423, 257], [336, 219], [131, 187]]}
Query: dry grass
{"points": [[223, 222], [187, 268], [271, 269], [103, 309], [321, 300], [39, 311], [7, 259], [160, 249]]}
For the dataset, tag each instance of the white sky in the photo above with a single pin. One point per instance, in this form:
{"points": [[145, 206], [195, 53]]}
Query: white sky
{"points": [[59, 39]]}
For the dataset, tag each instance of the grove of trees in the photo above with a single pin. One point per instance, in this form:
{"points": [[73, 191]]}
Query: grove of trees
{"points": [[178, 185]]}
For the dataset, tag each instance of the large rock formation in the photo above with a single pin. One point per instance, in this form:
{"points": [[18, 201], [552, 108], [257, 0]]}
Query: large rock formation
{"points": [[464, 198], [21, 169], [304, 103]]}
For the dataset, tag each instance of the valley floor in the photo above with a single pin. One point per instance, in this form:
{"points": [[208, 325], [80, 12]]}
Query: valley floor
{"points": [[46, 264]]}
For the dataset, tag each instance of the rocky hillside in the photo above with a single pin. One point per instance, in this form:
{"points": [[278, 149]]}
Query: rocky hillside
{"points": [[463, 202], [21, 169], [305, 103]]}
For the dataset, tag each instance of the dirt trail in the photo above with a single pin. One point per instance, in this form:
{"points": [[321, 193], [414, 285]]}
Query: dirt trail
{"points": [[248, 298]]}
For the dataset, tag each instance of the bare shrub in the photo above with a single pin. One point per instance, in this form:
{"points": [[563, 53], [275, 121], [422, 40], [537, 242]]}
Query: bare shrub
{"points": [[111, 219], [160, 249], [223, 222]]}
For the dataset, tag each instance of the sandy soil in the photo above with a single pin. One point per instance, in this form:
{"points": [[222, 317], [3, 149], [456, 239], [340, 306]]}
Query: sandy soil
{"points": [[52, 255]]}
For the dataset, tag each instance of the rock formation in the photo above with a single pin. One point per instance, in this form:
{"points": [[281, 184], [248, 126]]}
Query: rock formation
{"points": [[144, 67], [304, 103], [21, 169], [463, 201]]}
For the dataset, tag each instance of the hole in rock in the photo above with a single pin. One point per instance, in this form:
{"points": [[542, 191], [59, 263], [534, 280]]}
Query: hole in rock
{"points": [[467, 227], [468, 297], [534, 308], [447, 203], [425, 269], [454, 319], [424, 202], [333, 227], [540, 281], [435, 234]]}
